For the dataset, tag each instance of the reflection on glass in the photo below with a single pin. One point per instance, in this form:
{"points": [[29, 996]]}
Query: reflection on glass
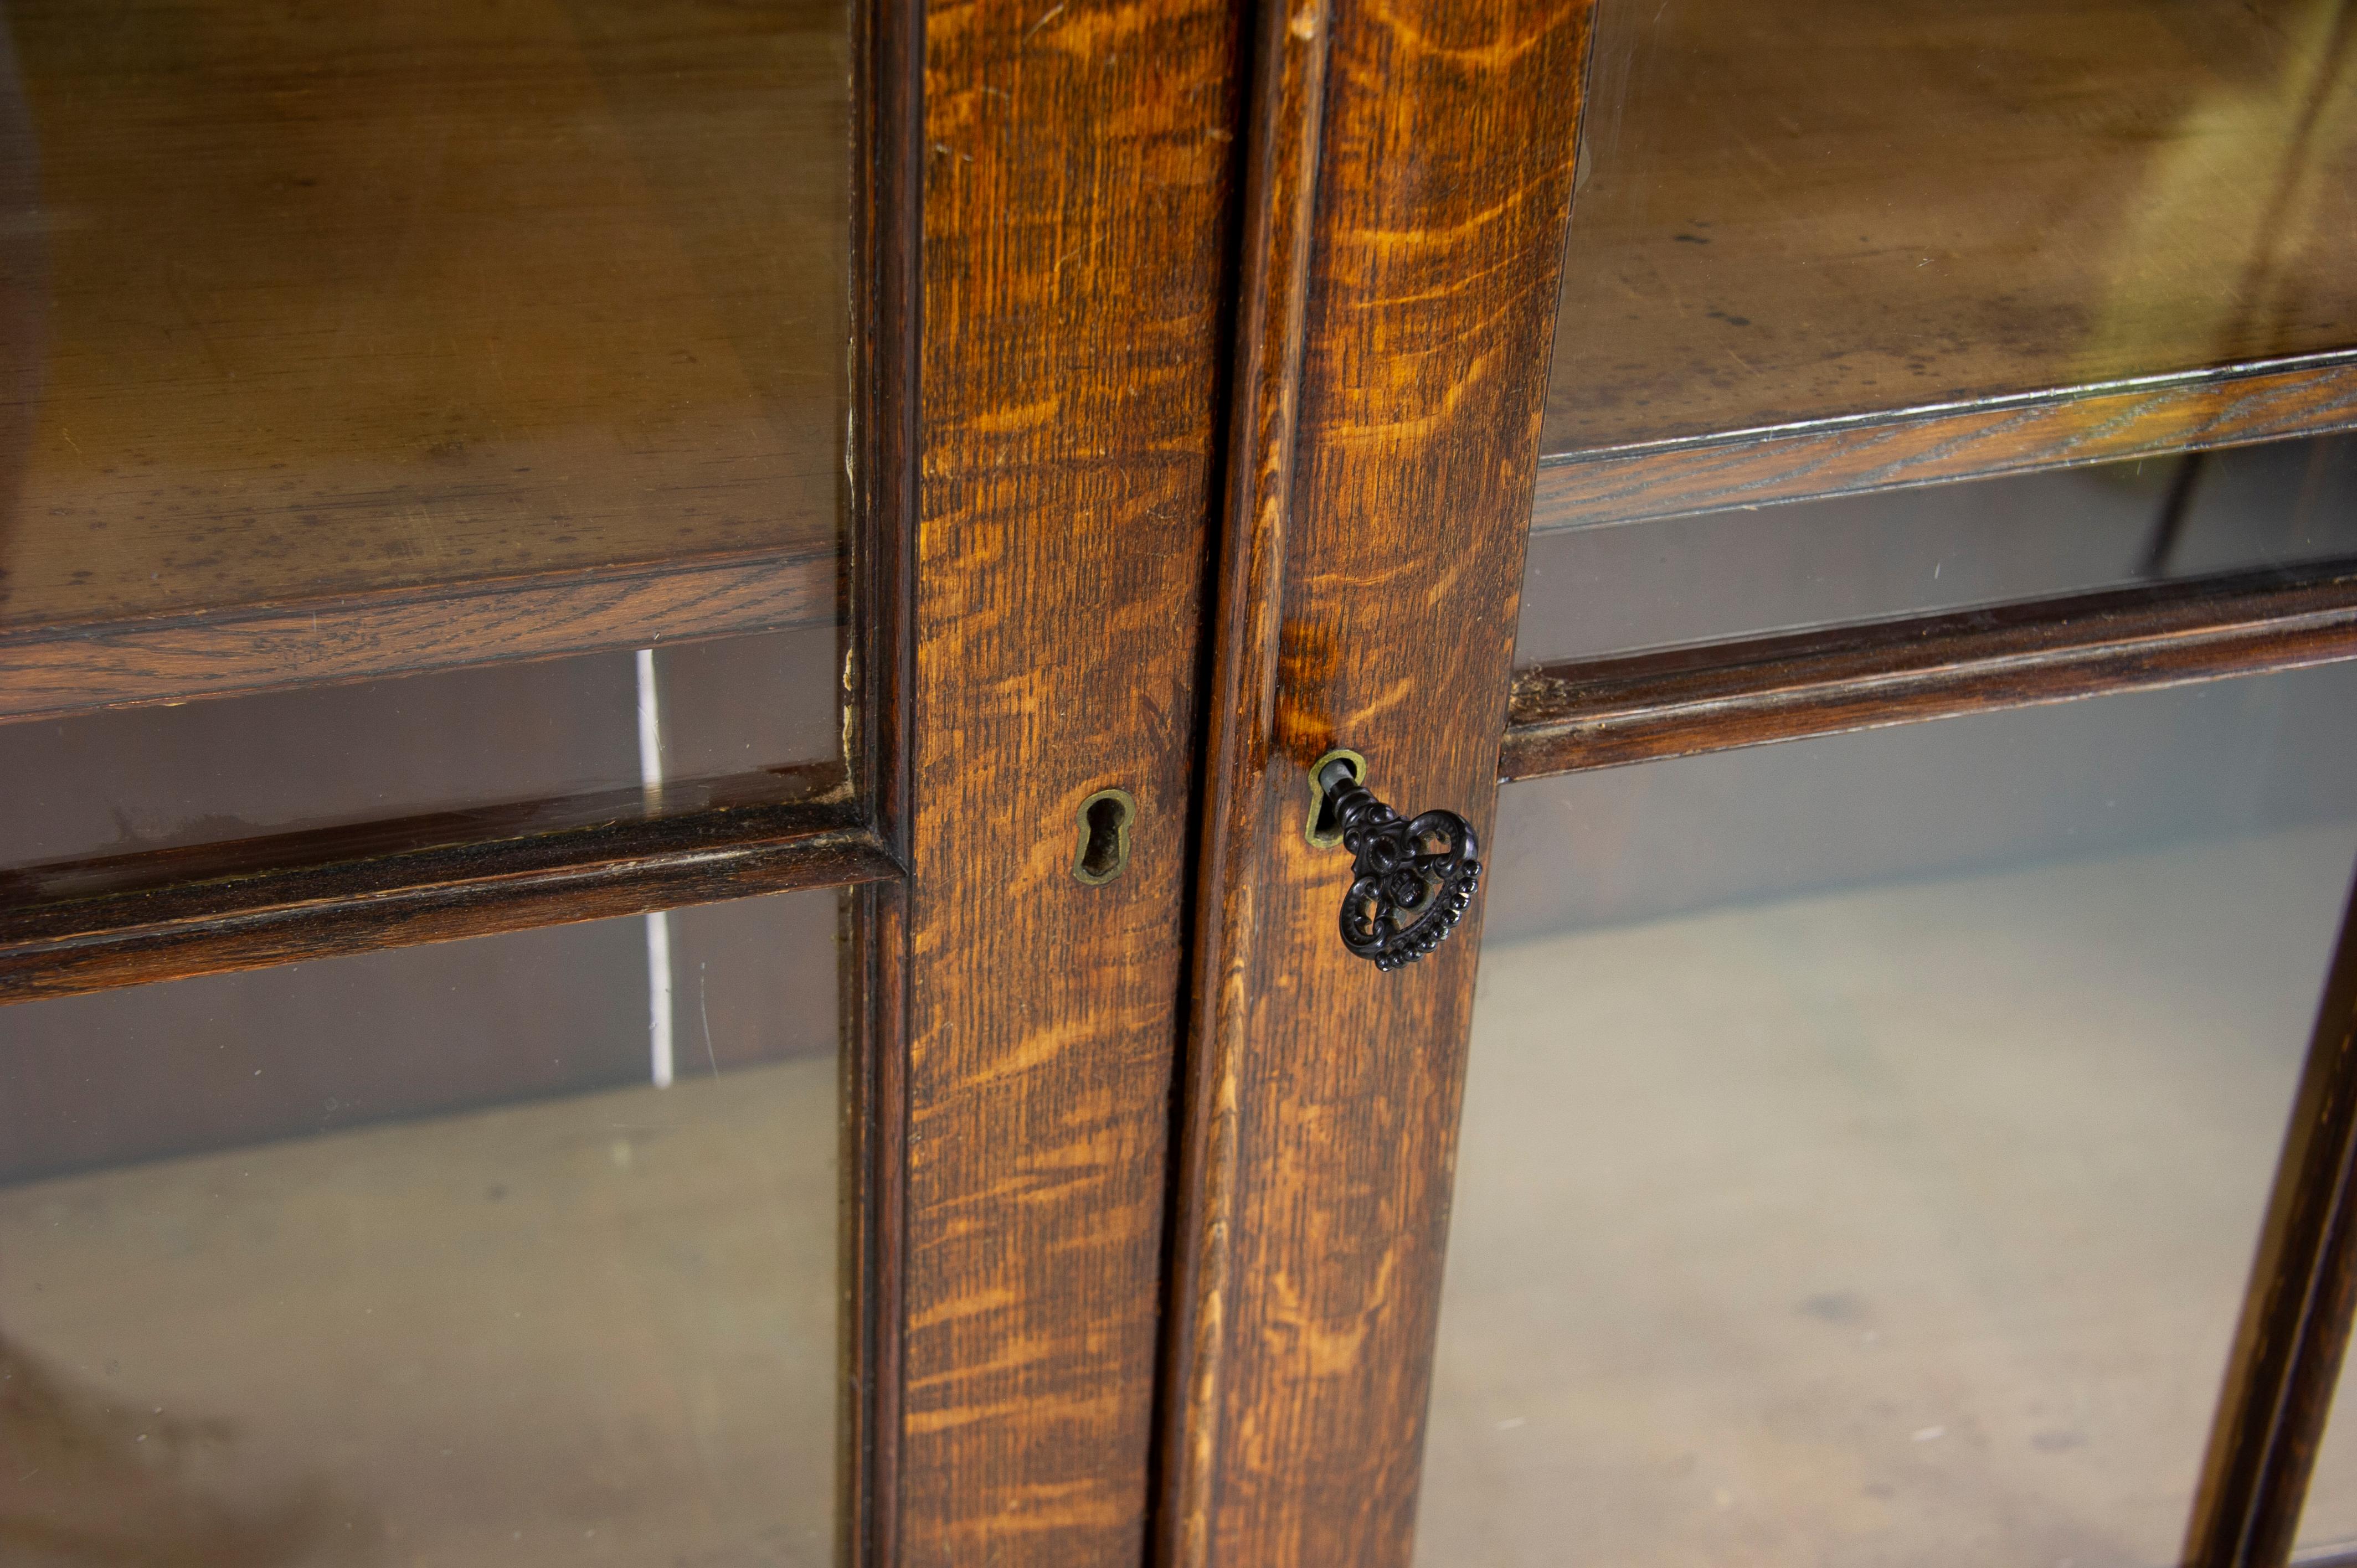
{"points": [[1817, 208], [467, 754], [1866, 1138], [1596, 591], [309, 300], [398, 1258]]}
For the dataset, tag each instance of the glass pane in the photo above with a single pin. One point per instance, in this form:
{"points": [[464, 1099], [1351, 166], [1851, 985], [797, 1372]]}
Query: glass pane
{"points": [[402, 1258], [2328, 1525], [1596, 591], [317, 300], [1830, 206], [482, 753], [1866, 1138]]}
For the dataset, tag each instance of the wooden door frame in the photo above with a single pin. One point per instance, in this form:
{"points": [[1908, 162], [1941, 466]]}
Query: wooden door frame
{"points": [[1039, 259], [1035, 392], [1406, 183]]}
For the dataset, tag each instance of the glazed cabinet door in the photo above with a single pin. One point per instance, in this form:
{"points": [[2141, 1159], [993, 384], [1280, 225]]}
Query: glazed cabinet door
{"points": [[599, 607], [1912, 1141]]}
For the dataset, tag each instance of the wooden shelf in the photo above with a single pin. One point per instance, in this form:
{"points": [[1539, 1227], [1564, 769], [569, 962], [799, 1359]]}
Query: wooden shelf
{"points": [[51, 671], [535, 311], [1817, 212], [2056, 428]]}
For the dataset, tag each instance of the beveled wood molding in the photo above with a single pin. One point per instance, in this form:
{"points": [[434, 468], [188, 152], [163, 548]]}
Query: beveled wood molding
{"points": [[163, 928], [56, 672], [887, 245], [2060, 427], [1409, 175], [1280, 180], [1682, 702], [2288, 1346]]}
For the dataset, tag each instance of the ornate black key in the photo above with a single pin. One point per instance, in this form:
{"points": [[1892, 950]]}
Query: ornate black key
{"points": [[1411, 881]]}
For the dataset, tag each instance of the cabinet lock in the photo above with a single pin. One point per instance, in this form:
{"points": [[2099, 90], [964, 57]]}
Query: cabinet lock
{"points": [[1411, 880]]}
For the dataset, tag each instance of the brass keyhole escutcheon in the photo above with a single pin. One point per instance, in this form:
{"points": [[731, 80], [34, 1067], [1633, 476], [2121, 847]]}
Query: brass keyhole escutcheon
{"points": [[1105, 819], [1324, 829]]}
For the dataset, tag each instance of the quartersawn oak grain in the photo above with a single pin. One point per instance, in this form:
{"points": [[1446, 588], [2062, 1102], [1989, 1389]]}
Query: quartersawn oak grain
{"points": [[1680, 702], [1078, 181], [1322, 1096], [2050, 429]]}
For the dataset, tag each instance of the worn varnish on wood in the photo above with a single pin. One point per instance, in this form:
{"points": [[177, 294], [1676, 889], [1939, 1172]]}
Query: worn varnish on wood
{"points": [[1077, 187], [1372, 553], [318, 305]]}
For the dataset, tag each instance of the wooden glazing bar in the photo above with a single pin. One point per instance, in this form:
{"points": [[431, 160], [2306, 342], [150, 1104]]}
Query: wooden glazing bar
{"points": [[1567, 717], [194, 875], [49, 672], [291, 912], [875, 1256], [889, 244], [2108, 423], [2295, 1325], [888, 233]]}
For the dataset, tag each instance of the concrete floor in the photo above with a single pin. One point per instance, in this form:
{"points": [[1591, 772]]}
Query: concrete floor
{"points": [[1888, 1225], [594, 1330]]}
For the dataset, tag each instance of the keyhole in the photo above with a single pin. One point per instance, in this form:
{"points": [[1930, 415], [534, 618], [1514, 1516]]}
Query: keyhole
{"points": [[1106, 817], [1324, 829]]}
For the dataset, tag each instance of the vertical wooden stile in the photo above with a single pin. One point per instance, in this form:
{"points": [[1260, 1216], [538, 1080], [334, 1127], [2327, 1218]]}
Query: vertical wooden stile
{"points": [[1405, 207], [1077, 182]]}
